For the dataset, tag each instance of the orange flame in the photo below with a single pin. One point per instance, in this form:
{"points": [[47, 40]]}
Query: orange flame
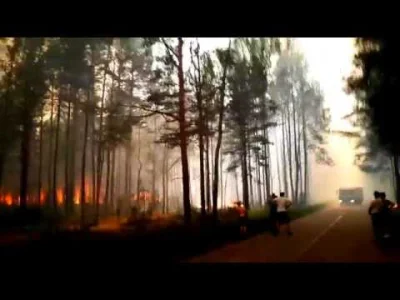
{"points": [[8, 199], [60, 196], [42, 197]]}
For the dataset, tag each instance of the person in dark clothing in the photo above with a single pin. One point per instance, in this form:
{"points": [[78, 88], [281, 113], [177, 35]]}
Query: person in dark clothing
{"points": [[376, 217], [273, 214], [386, 212]]}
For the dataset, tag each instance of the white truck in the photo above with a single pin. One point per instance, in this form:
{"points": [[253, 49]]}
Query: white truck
{"points": [[351, 196]]}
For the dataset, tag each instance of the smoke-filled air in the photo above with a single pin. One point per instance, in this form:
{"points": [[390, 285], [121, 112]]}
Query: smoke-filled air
{"points": [[140, 133]]}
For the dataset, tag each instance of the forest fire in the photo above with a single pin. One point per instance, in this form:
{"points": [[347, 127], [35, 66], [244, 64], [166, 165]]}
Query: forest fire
{"points": [[10, 199]]}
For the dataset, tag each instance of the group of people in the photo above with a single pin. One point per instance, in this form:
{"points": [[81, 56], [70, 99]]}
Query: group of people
{"points": [[380, 212], [279, 217]]}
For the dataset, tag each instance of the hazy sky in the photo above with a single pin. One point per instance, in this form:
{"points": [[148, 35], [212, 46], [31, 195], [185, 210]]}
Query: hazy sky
{"points": [[330, 61]]}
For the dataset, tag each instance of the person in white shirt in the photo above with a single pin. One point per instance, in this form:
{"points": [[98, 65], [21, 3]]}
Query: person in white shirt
{"points": [[283, 205]]}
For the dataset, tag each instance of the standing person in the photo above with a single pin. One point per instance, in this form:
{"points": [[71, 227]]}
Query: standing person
{"points": [[242, 217], [283, 218], [273, 214], [374, 211], [386, 212]]}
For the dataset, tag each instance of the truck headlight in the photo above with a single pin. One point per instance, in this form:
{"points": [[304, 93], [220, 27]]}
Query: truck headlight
{"points": [[352, 201]]}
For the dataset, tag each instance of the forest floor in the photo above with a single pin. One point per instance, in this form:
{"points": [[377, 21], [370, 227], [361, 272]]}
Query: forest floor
{"points": [[144, 242]]}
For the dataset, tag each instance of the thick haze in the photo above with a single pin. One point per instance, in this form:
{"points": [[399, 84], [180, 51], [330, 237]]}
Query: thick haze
{"points": [[329, 61]]}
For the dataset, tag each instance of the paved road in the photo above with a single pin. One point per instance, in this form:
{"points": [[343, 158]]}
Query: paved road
{"points": [[335, 234]]}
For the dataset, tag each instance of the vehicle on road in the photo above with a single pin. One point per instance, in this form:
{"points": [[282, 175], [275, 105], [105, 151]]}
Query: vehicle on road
{"points": [[351, 196]]}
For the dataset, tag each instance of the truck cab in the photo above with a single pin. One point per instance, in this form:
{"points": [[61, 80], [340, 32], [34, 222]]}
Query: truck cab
{"points": [[351, 196]]}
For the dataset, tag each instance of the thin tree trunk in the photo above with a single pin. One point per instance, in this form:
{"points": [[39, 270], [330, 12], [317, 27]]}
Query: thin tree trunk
{"points": [[305, 149], [221, 107], [397, 177], [67, 196], [237, 185], [289, 147], [100, 152], [164, 171], [83, 169], [267, 168], [72, 164], [271, 181], [258, 166], [167, 188], [278, 162], [296, 154], [93, 161], [199, 97], [225, 184], [50, 158], [244, 165], [183, 137], [40, 156], [208, 193], [112, 179], [107, 190], [154, 175], [56, 152], [138, 187], [25, 160], [250, 178], [221, 180], [284, 161]]}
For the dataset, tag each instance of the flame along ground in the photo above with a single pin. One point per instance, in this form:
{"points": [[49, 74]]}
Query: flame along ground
{"points": [[10, 199]]}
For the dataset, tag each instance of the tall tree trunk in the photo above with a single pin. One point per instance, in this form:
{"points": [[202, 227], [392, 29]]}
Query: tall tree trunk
{"points": [[83, 169], [167, 188], [258, 166], [237, 185], [50, 158], [201, 135], [107, 189], [93, 161], [245, 176], [250, 178], [208, 190], [154, 176], [112, 179], [267, 168], [221, 180], [278, 162], [164, 182], [221, 109], [225, 184], [73, 163], [183, 137], [55, 164], [305, 150], [284, 161], [296, 154], [299, 158], [100, 152], [289, 147], [397, 177], [271, 181], [25, 159], [68, 198], [138, 183], [40, 156]]}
